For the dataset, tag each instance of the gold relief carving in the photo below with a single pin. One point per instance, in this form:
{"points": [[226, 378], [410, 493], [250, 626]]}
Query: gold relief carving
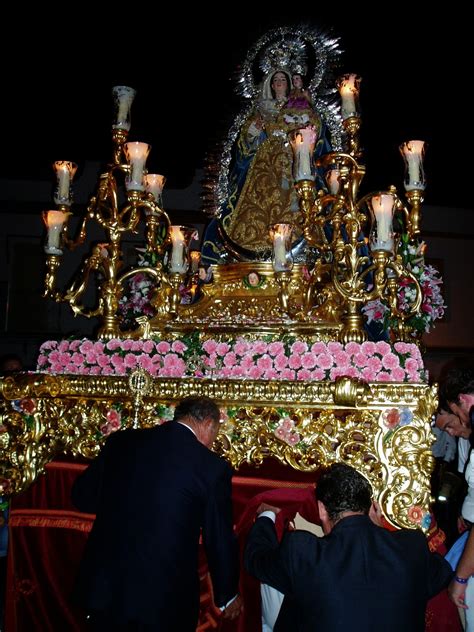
{"points": [[330, 422]]}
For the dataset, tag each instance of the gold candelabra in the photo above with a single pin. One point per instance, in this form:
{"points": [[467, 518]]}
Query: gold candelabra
{"points": [[142, 203], [352, 269]]}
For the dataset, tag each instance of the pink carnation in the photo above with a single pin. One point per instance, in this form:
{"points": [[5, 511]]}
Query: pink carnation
{"points": [[308, 360], [178, 347], [281, 361], [352, 348], [163, 347], [368, 347], [230, 359], [299, 347], [265, 362], [275, 348], [148, 346], [319, 347], [259, 347], [303, 374], [325, 361], [294, 362], [390, 361]]}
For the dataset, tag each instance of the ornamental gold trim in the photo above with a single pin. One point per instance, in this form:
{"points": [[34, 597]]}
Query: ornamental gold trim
{"points": [[382, 429]]}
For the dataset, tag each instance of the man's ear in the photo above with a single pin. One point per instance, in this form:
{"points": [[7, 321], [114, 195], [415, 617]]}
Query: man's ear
{"points": [[324, 516]]}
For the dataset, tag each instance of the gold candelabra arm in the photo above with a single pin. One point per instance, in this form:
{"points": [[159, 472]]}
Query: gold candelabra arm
{"points": [[52, 262], [350, 176], [175, 279], [284, 279], [351, 127], [415, 199], [72, 244], [349, 278], [119, 137], [153, 217], [75, 291]]}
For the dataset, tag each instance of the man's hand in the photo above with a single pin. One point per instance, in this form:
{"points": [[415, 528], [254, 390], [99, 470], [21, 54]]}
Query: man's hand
{"points": [[457, 593], [234, 609], [265, 507], [375, 514]]}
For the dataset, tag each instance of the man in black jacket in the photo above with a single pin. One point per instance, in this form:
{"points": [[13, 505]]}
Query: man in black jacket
{"points": [[153, 491], [359, 577]]}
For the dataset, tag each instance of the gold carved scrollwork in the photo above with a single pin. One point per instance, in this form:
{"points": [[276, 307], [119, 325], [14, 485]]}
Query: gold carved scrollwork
{"points": [[306, 425]]}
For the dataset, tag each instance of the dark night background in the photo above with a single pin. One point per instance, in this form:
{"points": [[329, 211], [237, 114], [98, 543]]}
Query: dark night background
{"points": [[57, 84]]}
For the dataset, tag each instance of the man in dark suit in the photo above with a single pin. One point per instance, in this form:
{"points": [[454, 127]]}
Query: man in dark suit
{"points": [[152, 491], [359, 577]]}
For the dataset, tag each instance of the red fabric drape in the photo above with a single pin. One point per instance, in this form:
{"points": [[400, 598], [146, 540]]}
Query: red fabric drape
{"points": [[45, 548]]}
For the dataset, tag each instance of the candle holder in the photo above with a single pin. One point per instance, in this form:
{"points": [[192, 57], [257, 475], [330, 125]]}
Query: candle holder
{"points": [[282, 258], [154, 183], [65, 171], [136, 154], [381, 210], [413, 153], [302, 142], [123, 99], [349, 86], [180, 237], [54, 221]]}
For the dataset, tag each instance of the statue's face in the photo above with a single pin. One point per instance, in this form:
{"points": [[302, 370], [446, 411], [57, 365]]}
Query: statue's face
{"points": [[297, 81], [280, 84], [253, 279]]}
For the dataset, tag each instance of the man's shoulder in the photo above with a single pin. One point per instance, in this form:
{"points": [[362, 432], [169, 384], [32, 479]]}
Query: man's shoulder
{"points": [[414, 539]]}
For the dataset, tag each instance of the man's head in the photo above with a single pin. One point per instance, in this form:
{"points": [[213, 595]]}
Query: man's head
{"points": [[202, 415], [450, 423], [10, 363], [342, 491], [458, 391]]}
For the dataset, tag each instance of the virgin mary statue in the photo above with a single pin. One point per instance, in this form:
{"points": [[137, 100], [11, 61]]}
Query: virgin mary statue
{"points": [[254, 187]]}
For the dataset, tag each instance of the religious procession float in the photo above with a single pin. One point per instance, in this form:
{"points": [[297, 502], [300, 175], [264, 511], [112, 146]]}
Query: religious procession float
{"points": [[300, 314]]}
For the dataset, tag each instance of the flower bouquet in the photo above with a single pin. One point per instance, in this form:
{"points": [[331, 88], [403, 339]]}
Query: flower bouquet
{"points": [[432, 303]]}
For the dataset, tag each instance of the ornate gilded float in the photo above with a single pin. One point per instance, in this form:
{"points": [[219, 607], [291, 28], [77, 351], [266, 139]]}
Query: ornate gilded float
{"points": [[277, 336]]}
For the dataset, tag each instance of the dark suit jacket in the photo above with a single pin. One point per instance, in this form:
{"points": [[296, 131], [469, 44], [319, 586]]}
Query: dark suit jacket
{"points": [[360, 577], [152, 490]]}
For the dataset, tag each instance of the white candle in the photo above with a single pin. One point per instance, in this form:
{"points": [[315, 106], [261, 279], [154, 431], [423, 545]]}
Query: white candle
{"points": [[281, 235], [154, 184], [279, 253], [413, 168], [124, 98], [382, 206], [54, 220], [63, 182], [178, 263], [65, 171], [412, 151], [136, 154], [302, 143], [333, 181], [348, 90]]}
